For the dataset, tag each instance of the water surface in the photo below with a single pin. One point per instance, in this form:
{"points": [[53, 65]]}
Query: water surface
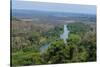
{"points": [[63, 36]]}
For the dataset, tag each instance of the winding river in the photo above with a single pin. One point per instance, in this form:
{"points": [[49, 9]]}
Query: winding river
{"points": [[63, 36]]}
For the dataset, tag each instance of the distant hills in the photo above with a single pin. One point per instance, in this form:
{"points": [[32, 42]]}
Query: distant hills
{"points": [[22, 13]]}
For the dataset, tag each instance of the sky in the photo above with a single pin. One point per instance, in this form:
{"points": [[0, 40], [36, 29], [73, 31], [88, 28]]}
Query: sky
{"points": [[57, 7]]}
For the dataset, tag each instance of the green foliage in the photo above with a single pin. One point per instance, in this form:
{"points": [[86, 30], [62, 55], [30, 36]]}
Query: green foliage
{"points": [[27, 38], [58, 52], [73, 39], [83, 54], [89, 42], [25, 58], [78, 28]]}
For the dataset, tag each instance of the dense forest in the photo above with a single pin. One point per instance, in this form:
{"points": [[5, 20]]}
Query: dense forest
{"points": [[29, 36]]}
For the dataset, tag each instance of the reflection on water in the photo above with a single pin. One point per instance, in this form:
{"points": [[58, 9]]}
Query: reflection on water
{"points": [[64, 36]]}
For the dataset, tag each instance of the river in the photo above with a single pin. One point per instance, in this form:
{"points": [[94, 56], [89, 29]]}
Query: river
{"points": [[63, 36]]}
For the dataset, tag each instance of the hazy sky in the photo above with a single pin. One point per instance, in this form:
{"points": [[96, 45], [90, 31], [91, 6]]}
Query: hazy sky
{"points": [[74, 8]]}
